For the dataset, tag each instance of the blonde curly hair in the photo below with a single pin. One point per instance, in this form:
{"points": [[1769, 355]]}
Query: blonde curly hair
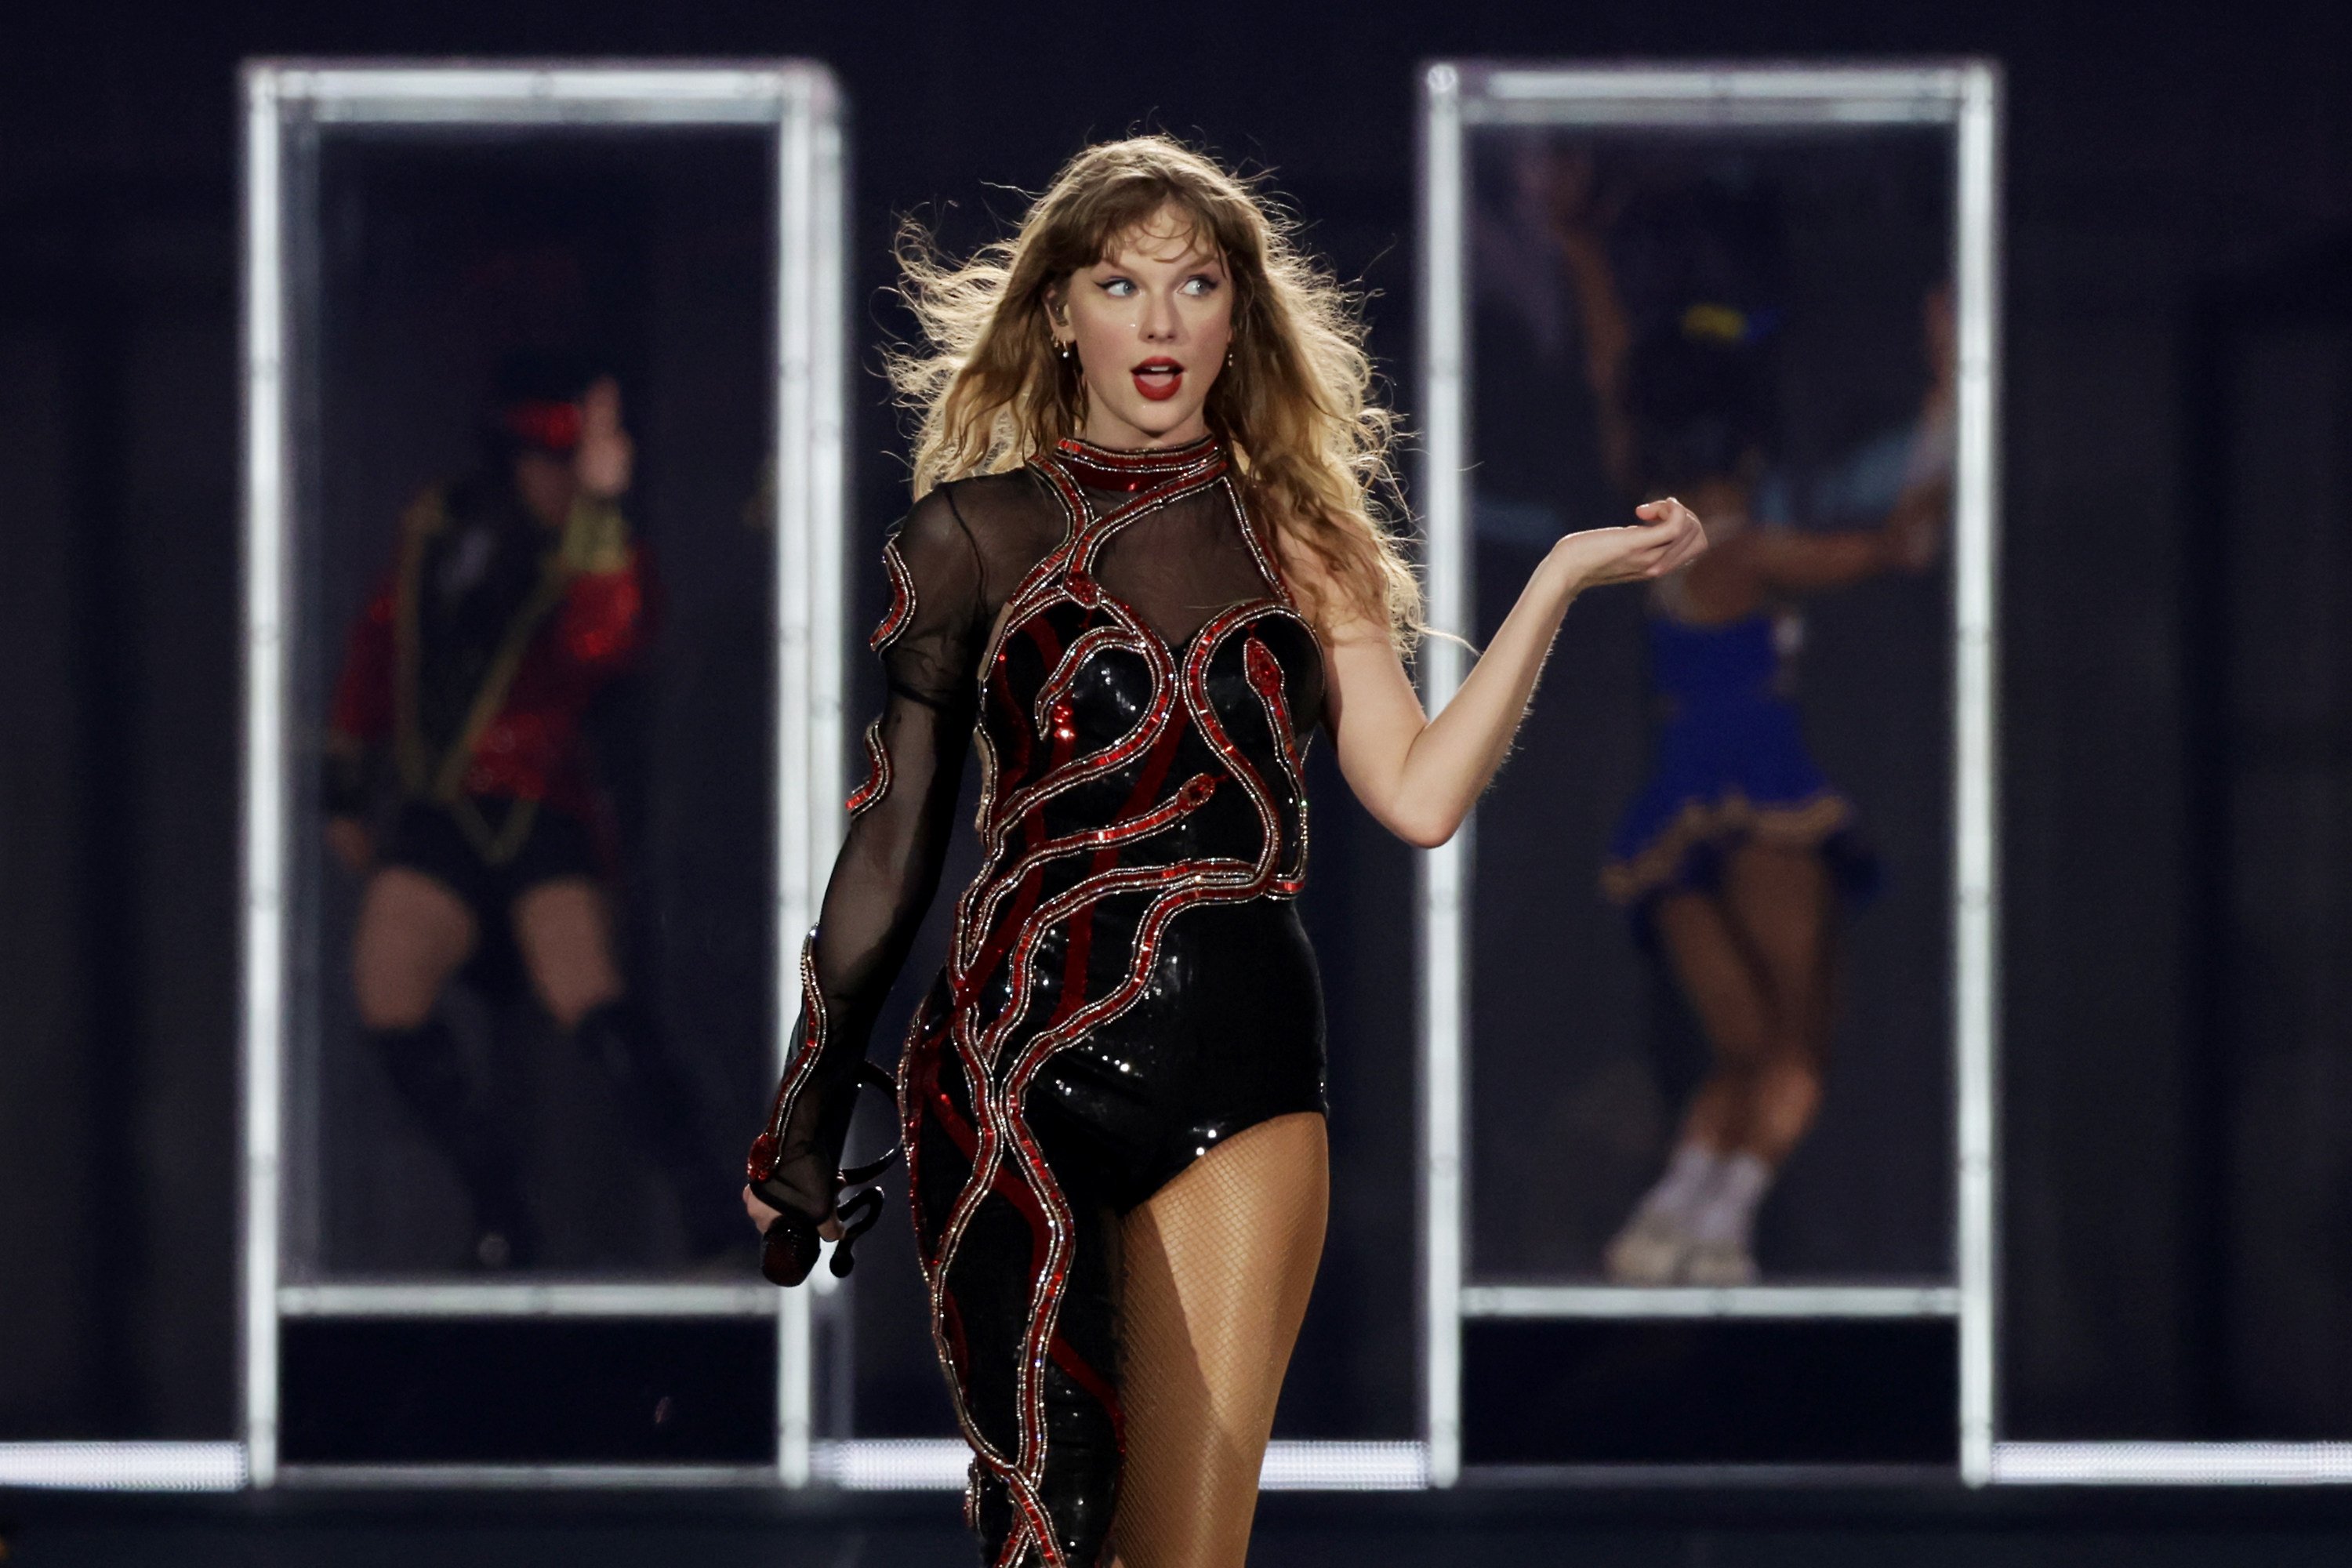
{"points": [[1296, 408]]}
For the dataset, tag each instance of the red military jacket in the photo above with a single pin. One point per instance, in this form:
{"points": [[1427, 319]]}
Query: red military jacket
{"points": [[584, 622]]}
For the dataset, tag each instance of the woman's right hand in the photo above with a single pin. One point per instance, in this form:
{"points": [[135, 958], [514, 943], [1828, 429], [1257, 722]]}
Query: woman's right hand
{"points": [[351, 842]]}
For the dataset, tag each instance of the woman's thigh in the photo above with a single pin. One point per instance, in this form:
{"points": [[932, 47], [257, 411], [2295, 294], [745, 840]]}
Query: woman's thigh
{"points": [[413, 932], [1716, 972], [564, 929], [1217, 1268], [1780, 904]]}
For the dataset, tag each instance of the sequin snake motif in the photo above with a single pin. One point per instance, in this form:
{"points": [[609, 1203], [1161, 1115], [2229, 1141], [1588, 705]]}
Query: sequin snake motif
{"points": [[1098, 826]]}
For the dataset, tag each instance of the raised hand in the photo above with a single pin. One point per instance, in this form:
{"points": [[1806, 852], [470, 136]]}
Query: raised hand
{"points": [[1669, 537], [606, 457]]}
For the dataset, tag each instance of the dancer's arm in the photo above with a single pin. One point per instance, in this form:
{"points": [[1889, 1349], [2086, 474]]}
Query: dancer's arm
{"points": [[603, 624], [366, 698], [889, 868], [1789, 562], [1911, 535], [1758, 563], [1608, 343], [1582, 213], [1419, 776]]}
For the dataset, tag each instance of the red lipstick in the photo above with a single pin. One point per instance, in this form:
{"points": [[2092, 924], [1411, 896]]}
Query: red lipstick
{"points": [[1159, 378]]}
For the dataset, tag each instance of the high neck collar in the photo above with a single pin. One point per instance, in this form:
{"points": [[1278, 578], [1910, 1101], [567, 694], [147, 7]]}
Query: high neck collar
{"points": [[1108, 468]]}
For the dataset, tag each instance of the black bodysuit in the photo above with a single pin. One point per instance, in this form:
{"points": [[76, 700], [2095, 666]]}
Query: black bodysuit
{"points": [[1128, 983]]}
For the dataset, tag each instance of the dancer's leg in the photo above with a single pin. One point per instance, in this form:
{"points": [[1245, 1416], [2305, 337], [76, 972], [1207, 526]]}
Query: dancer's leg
{"points": [[564, 931], [413, 934], [1217, 1270], [1774, 913], [1723, 981], [1720, 978], [1779, 903]]}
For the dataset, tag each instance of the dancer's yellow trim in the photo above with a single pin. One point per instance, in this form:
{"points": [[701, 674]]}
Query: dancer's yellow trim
{"points": [[1725, 820]]}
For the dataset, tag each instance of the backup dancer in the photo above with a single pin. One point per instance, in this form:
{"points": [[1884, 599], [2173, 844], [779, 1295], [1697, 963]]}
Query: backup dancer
{"points": [[1737, 856], [515, 596]]}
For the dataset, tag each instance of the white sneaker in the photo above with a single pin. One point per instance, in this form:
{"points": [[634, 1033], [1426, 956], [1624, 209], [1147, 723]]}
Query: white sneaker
{"points": [[1649, 1249], [1718, 1263]]}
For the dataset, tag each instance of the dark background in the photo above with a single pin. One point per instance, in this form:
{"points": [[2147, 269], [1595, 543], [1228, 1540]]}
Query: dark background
{"points": [[2160, 157]]}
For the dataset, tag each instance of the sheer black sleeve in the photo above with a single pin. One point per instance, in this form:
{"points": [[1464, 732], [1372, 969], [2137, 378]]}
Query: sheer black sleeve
{"points": [[901, 818]]}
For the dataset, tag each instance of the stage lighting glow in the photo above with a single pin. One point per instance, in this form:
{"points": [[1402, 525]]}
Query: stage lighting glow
{"points": [[1814, 1301], [124, 1467], [1345, 1467], [2172, 1464], [938, 1464], [546, 1298]]}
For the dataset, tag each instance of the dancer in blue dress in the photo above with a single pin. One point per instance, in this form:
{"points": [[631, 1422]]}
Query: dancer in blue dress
{"points": [[1737, 856]]}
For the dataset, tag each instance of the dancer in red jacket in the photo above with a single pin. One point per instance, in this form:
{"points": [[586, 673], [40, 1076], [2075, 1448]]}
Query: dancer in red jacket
{"points": [[515, 596]]}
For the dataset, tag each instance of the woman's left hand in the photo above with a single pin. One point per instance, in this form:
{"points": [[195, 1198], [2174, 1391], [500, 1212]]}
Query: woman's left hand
{"points": [[1669, 537], [762, 1215]]}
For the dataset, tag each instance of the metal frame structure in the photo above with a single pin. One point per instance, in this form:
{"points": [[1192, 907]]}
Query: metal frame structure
{"points": [[124, 1467], [1964, 96], [799, 104]]}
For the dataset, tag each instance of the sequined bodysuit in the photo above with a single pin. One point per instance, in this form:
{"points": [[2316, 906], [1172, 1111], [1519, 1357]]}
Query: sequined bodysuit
{"points": [[1127, 983]]}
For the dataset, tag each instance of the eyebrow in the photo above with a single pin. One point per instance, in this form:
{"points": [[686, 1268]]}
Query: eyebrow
{"points": [[1194, 259], [1198, 250]]}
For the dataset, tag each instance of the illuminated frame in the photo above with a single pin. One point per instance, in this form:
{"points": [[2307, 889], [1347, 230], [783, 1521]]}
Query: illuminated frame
{"points": [[799, 104], [1965, 95]]}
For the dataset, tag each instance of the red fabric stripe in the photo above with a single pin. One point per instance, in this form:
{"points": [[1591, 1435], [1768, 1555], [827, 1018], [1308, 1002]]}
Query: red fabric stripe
{"points": [[1066, 1357], [1153, 774]]}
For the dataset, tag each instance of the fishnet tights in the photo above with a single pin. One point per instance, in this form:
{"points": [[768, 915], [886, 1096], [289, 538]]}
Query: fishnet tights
{"points": [[1217, 1268]]}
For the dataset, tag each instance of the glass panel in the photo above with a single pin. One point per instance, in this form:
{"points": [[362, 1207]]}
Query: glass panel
{"points": [[1716, 873], [524, 1034]]}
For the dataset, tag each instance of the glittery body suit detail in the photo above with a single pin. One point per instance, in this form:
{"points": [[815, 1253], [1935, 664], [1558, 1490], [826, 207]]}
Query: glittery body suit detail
{"points": [[1126, 983]]}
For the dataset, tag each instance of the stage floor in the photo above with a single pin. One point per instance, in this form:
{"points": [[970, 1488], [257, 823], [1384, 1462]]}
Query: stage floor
{"points": [[1820, 1524]]}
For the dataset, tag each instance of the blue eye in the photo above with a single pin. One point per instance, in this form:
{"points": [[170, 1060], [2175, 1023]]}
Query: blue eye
{"points": [[1118, 288], [1200, 284]]}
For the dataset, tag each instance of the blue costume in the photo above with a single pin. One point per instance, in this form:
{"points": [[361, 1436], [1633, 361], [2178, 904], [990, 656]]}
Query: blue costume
{"points": [[1729, 766]]}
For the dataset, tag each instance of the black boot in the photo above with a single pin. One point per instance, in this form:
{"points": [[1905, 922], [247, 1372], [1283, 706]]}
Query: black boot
{"points": [[427, 1068], [660, 1098]]}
